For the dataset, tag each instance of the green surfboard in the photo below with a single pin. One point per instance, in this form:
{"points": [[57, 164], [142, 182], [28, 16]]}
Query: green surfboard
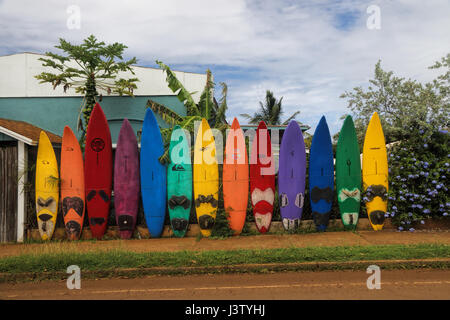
{"points": [[348, 174], [179, 182]]}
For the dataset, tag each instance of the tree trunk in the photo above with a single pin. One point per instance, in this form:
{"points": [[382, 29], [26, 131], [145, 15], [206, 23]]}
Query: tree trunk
{"points": [[91, 94]]}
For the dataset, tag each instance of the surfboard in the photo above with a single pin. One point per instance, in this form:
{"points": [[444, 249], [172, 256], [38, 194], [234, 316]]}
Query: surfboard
{"points": [[321, 175], [348, 174], [375, 173], [72, 184], [235, 178], [153, 175], [206, 179], [98, 171], [46, 187], [126, 180], [179, 182], [262, 178], [292, 176]]}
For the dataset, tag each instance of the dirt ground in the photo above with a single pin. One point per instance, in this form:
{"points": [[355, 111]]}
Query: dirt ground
{"points": [[395, 284], [245, 242]]}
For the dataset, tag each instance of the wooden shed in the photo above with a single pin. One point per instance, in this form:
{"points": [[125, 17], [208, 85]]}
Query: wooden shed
{"points": [[18, 143]]}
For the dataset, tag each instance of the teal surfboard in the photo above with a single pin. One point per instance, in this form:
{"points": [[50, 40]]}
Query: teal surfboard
{"points": [[179, 182]]}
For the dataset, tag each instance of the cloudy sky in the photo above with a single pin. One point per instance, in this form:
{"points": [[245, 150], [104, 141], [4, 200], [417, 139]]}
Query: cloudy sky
{"points": [[308, 52]]}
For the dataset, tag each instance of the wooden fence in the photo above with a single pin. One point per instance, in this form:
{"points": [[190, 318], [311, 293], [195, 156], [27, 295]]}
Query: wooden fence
{"points": [[8, 191]]}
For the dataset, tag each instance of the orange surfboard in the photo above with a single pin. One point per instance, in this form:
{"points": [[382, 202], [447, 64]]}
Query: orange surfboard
{"points": [[235, 178], [72, 184]]}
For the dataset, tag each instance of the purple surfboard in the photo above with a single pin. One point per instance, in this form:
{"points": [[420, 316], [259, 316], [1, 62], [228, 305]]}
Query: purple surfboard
{"points": [[126, 180], [291, 176]]}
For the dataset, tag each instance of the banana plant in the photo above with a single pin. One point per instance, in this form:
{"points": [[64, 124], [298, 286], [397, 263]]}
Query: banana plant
{"points": [[207, 108]]}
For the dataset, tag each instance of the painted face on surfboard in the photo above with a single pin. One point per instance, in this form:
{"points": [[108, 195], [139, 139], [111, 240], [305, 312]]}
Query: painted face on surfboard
{"points": [[46, 208], [377, 196], [73, 212], [153, 175], [292, 176], [126, 180], [348, 174], [46, 187], [321, 175], [262, 202], [262, 178], [375, 173], [72, 185], [205, 178]]}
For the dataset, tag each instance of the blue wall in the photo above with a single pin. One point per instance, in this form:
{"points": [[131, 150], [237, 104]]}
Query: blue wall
{"points": [[53, 113]]}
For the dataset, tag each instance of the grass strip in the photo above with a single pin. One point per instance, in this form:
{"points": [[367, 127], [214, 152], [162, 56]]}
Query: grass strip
{"points": [[121, 259]]}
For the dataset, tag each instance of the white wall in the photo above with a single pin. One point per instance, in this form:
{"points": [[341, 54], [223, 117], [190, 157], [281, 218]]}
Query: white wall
{"points": [[12, 75], [17, 73]]}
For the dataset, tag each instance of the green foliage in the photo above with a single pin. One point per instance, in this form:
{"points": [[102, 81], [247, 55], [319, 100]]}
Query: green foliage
{"points": [[183, 95], [442, 83], [53, 181], [28, 189], [221, 227], [206, 99], [206, 108], [168, 116], [401, 104], [116, 259], [270, 111], [220, 114], [89, 68], [420, 176], [415, 120]]}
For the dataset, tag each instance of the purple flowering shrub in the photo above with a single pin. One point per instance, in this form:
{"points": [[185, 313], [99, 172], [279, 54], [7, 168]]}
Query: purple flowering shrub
{"points": [[419, 175]]}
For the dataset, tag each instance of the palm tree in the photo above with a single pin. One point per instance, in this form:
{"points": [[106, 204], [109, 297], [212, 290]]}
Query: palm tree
{"points": [[270, 112]]}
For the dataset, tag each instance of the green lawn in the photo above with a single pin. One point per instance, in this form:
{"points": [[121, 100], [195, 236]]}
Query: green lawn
{"points": [[118, 259]]}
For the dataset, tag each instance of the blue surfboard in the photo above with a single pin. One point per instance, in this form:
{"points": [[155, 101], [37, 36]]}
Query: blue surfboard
{"points": [[153, 175], [321, 175]]}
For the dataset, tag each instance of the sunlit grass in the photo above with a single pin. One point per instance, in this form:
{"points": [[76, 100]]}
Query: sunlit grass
{"points": [[58, 258]]}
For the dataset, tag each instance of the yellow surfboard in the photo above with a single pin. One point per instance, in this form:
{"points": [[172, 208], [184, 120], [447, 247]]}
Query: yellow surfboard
{"points": [[47, 188], [375, 173], [205, 178]]}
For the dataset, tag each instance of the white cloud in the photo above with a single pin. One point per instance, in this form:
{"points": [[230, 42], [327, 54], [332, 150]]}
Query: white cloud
{"points": [[291, 48]]}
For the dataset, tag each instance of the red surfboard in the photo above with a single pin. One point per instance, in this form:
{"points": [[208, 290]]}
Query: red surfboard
{"points": [[262, 178], [98, 171]]}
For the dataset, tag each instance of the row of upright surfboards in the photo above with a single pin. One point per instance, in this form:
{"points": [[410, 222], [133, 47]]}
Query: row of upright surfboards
{"points": [[182, 184]]}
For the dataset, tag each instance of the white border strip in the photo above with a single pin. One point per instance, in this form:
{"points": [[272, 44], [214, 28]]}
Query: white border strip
{"points": [[17, 136], [22, 156]]}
